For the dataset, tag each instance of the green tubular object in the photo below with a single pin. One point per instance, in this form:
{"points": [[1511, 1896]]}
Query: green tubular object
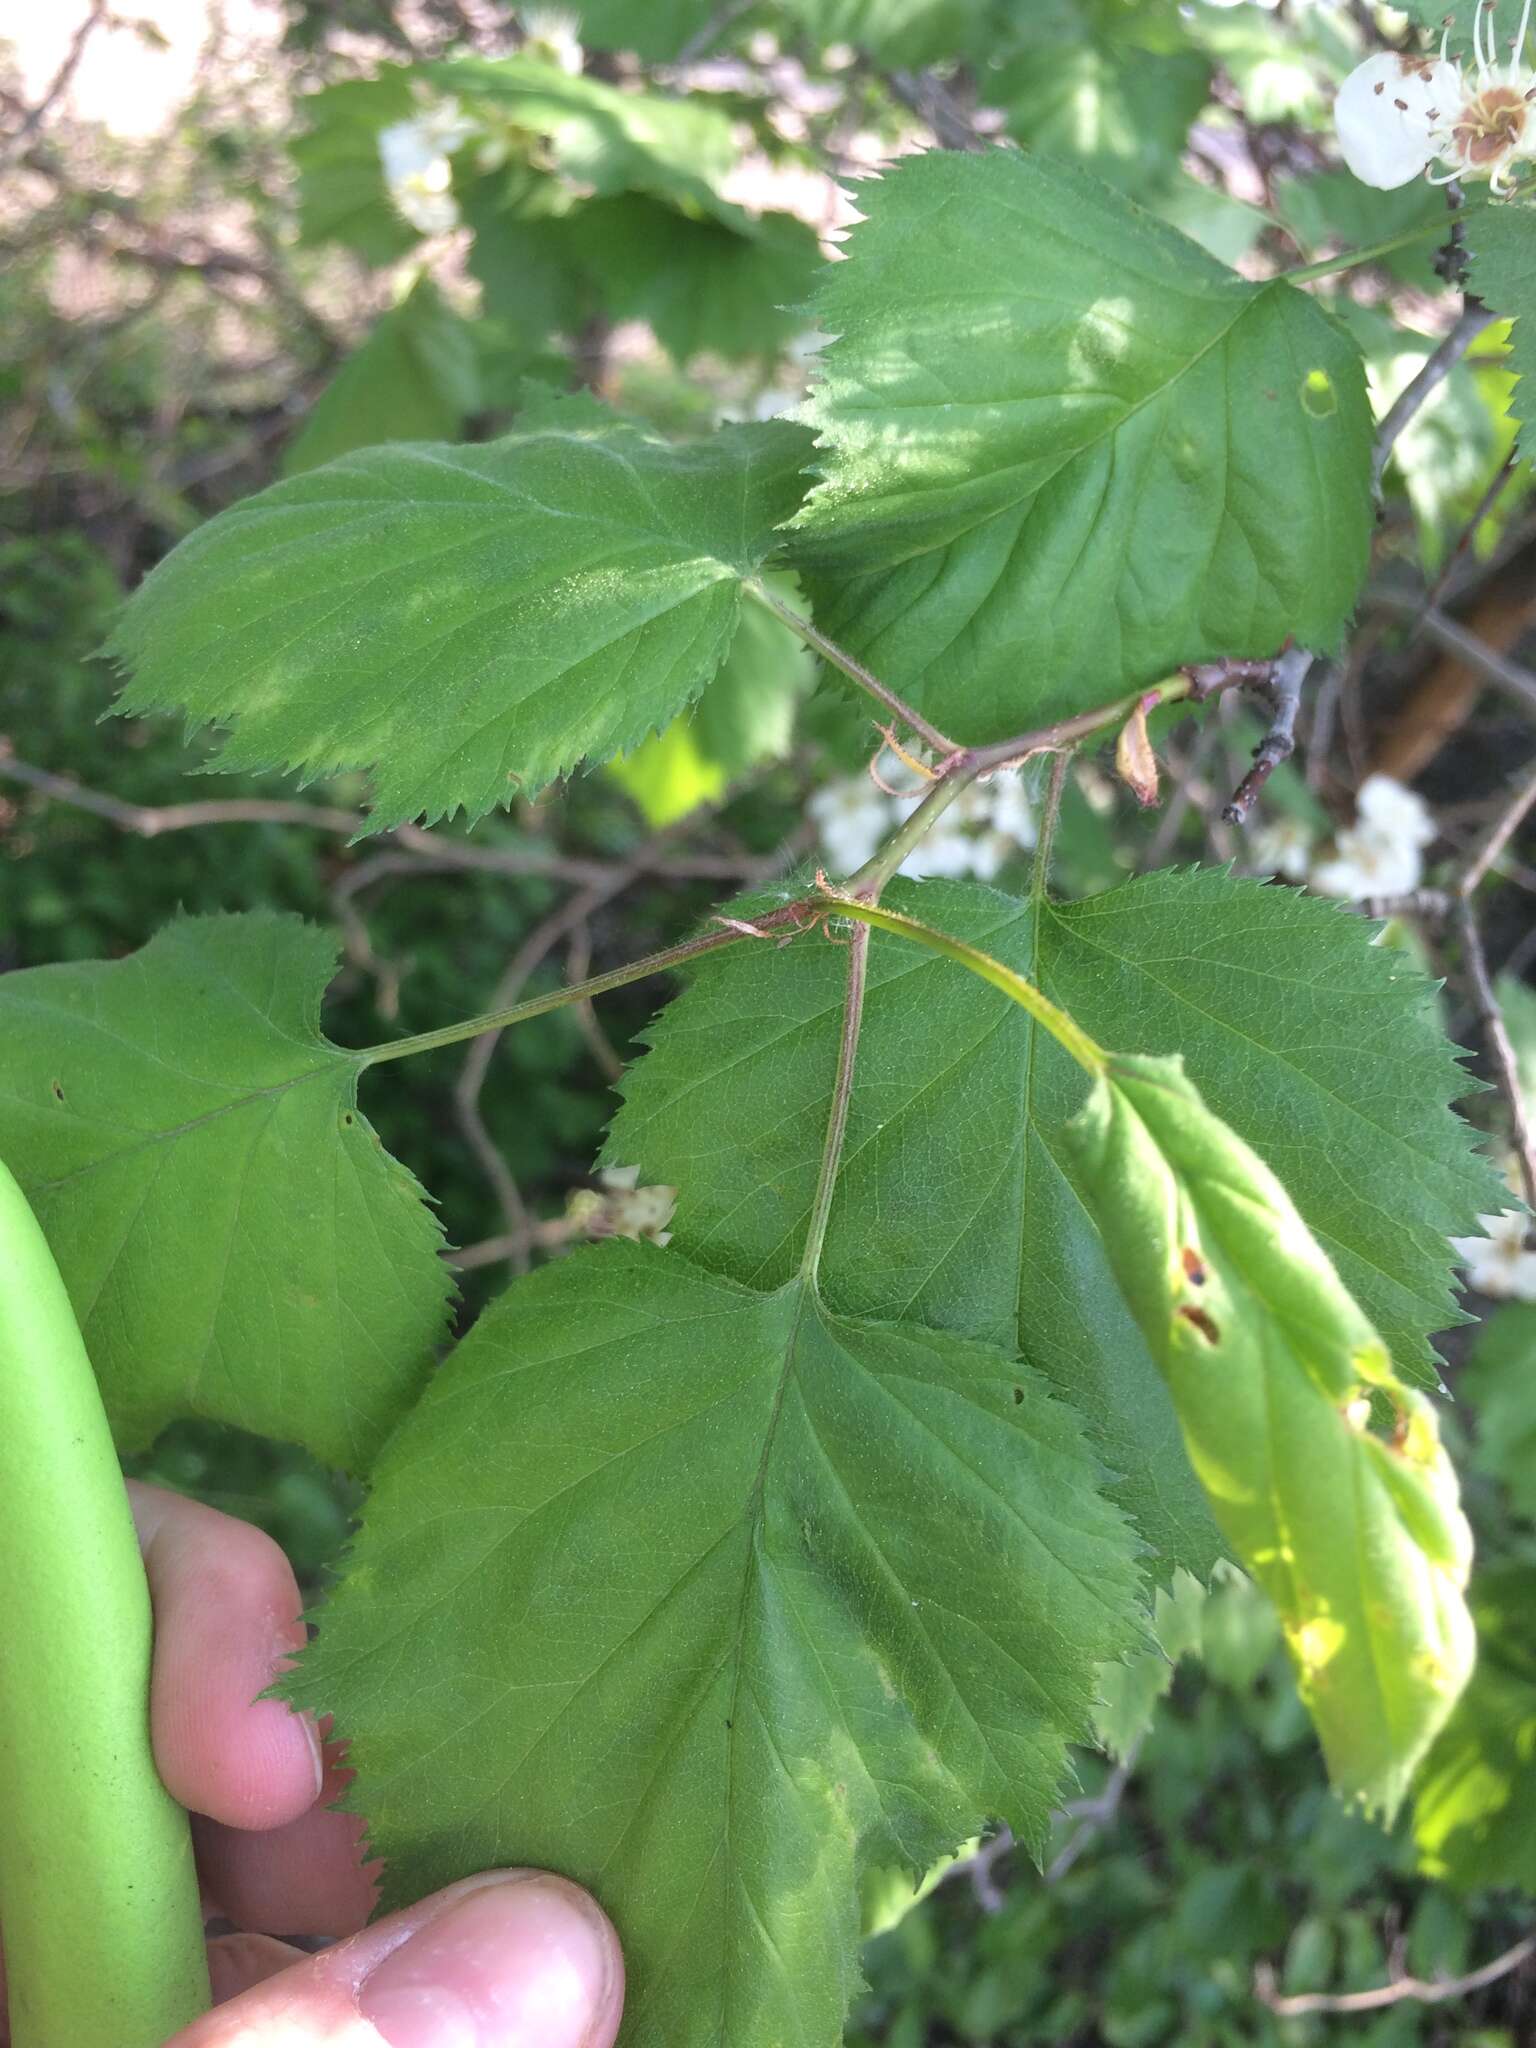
{"points": [[99, 1911]]}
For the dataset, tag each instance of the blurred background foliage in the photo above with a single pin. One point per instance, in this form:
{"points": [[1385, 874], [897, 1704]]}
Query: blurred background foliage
{"points": [[356, 220]]}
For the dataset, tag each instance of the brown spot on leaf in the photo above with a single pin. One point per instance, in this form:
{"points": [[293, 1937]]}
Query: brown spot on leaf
{"points": [[1204, 1323], [1194, 1266]]}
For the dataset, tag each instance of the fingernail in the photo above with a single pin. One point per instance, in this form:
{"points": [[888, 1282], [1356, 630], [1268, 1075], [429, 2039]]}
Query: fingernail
{"points": [[317, 1753], [526, 1963]]}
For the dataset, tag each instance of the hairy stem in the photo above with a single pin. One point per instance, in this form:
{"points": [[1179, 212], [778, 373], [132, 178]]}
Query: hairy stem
{"points": [[1045, 839], [98, 1893], [842, 1095], [854, 670]]}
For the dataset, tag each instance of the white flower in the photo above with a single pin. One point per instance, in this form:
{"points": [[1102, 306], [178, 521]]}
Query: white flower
{"points": [[415, 155], [946, 850], [851, 819], [1364, 864], [1382, 854], [1499, 1264], [1387, 112], [1394, 812], [1282, 846], [1012, 814], [553, 35], [1397, 115]]}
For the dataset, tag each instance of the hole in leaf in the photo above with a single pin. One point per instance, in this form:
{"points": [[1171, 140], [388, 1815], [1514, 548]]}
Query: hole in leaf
{"points": [[58, 1090], [347, 1117], [1018, 1396], [1203, 1323], [1318, 395]]}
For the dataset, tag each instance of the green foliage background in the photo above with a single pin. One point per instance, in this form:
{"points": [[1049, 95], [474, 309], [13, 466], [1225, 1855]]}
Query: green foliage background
{"points": [[1215, 1861]]}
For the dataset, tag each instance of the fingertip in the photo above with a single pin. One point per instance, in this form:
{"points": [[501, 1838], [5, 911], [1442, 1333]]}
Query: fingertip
{"points": [[228, 1622]]}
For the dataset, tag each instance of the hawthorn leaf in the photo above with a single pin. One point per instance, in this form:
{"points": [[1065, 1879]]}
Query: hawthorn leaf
{"points": [[655, 32], [1474, 1801], [1137, 459], [466, 623], [1499, 1387], [714, 1600], [606, 140], [955, 1205], [235, 1240], [1120, 110], [732, 284], [343, 195], [745, 716], [1502, 240], [416, 378], [1357, 1536]]}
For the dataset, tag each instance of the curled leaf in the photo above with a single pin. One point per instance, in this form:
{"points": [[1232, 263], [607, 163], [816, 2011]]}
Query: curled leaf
{"points": [[1324, 1471], [1135, 762]]}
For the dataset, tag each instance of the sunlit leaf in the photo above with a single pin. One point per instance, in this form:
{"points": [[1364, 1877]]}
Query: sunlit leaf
{"points": [[236, 1241], [414, 379], [1474, 1808], [1502, 240], [714, 1600], [1136, 460], [955, 1205], [1356, 1535], [342, 193], [466, 623]]}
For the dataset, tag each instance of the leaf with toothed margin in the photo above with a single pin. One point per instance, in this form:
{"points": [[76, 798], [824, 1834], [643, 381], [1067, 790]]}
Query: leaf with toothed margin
{"points": [[956, 1204], [466, 623], [236, 1242], [711, 1600], [1502, 243], [1063, 450]]}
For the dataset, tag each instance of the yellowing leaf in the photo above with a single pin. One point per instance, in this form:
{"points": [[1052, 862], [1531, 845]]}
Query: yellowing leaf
{"points": [[1354, 1530]]}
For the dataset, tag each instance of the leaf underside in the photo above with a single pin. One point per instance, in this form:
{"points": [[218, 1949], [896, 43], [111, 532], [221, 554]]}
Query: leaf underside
{"points": [[1136, 459], [466, 623], [236, 1242], [1502, 240], [710, 1600]]}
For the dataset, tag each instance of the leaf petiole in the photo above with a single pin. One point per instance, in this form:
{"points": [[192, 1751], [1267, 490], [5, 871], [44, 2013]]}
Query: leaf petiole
{"points": [[1067, 1033]]}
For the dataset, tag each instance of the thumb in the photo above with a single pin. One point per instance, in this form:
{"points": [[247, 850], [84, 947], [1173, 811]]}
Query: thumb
{"points": [[514, 1959]]}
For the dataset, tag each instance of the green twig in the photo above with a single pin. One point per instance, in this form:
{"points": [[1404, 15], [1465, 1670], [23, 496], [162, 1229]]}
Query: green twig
{"points": [[98, 1893]]}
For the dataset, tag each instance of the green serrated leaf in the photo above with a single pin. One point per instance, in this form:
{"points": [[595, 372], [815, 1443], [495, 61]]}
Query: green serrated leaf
{"points": [[734, 287], [1359, 1539], [1137, 459], [1129, 1692], [415, 378], [746, 715], [1121, 111], [655, 31], [715, 1600], [1474, 1809], [343, 196], [466, 623], [955, 1205], [607, 140], [1502, 242], [236, 1242], [1499, 1386]]}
